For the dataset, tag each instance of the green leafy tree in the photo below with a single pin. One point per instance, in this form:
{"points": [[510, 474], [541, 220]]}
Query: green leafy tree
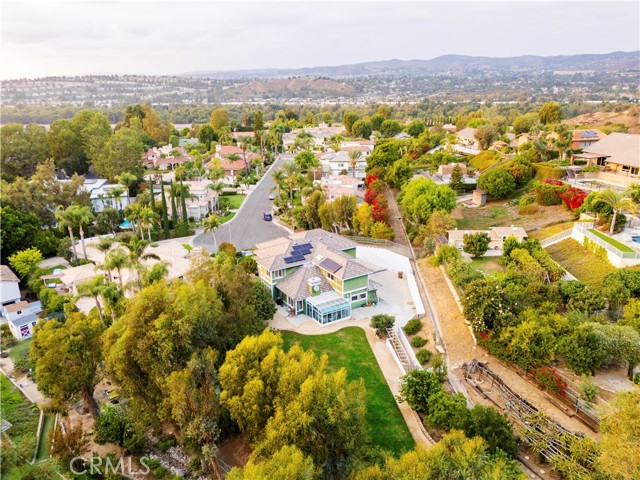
{"points": [[476, 244], [219, 119], [497, 182], [456, 183], [122, 153], [382, 231], [486, 306], [306, 160], [530, 344], [421, 197], [348, 119], [288, 463], [416, 388], [24, 229], [67, 356], [486, 135], [389, 128], [399, 173], [206, 135], [415, 128], [362, 128], [494, 428], [312, 209], [23, 149], [550, 112], [25, 262]]}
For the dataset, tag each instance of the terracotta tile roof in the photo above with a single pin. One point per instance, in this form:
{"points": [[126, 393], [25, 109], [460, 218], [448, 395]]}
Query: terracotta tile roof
{"points": [[7, 275], [232, 165], [228, 150]]}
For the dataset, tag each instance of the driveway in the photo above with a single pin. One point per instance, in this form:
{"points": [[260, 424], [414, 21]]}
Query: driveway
{"points": [[248, 228]]}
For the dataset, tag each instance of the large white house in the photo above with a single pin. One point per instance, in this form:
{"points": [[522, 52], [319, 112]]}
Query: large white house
{"points": [[20, 315], [101, 194]]}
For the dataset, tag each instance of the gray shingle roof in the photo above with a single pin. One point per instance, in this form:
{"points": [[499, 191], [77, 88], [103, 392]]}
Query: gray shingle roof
{"points": [[296, 287], [7, 275], [620, 148]]}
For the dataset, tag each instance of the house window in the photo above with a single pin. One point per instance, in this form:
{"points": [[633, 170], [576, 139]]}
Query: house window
{"points": [[19, 312], [359, 296], [631, 170], [278, 273], [331, 276]]}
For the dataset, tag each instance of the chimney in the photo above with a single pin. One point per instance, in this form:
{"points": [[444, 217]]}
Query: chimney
{"points": [[314, 286]]}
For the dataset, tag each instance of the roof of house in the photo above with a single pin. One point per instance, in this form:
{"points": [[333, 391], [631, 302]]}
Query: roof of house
{"points": [[79, 275], [296, 286], [590, 135], [232, 164], [620, 148], [344, 266], [272, 254], [228, 150], [7, 275], [27, 319], [14, 307], [467, 133], [402, 135]]}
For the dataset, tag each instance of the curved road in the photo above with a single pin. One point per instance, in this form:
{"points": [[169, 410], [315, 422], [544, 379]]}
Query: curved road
{"points": [[248, 228]]}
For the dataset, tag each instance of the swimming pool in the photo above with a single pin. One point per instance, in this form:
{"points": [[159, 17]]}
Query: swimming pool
{"points": [[635, 239], [126, 224]]}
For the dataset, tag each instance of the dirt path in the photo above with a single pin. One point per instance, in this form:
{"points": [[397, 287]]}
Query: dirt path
{"points": [[395, 218], [383, 355], [461, 348]]}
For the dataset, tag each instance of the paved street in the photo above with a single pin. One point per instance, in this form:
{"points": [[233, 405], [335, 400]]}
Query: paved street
{"points": [[248, 228]]}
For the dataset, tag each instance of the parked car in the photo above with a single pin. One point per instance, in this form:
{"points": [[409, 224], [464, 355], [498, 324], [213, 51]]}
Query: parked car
{"points": [[272, 196], [267, 216]]}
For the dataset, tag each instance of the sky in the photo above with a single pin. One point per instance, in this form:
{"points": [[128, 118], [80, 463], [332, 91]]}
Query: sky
{"points": [[58, 37]]}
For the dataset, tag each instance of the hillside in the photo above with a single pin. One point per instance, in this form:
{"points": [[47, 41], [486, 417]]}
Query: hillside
{"points": [[606, 62], [604, 119], [277, 87]]}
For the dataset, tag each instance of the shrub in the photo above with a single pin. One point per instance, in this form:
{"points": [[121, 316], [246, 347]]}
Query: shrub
{"points": [[413, 326], [588, 389], [548, 192], [498, 183], [548, 171], [446, 253], [423, 356], [165, 444], [381, 322], [573, 198], [418, 342]]}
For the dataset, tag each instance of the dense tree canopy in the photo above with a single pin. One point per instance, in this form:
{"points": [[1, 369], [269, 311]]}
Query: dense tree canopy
{"points": [[421, 197], [23, 149]]}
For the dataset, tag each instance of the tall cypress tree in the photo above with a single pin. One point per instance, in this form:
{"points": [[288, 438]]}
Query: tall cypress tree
{"points": [[153, 196], [174, 210], [165, 217], [185, 213]]}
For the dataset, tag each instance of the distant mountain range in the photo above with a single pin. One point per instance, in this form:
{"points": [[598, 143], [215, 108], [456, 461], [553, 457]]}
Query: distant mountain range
{"points": [[615, 61]]}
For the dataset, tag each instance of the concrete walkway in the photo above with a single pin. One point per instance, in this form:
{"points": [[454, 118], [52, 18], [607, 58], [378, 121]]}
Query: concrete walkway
{"points": [[307, 326], [23, 383]]}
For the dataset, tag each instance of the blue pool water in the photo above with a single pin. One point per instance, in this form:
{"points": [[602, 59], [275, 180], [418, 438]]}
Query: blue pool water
{"points": [[126, 224], [635, 239]]}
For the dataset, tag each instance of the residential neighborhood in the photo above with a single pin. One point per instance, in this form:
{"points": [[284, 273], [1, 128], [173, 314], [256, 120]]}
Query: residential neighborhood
{"points": [[260, 259]]}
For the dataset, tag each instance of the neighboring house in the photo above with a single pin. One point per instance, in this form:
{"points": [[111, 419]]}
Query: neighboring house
{"points": [[449, 128], [187, 142], [447, 169], [619, 156], [22, 318], [582, 139], [402, 136], [238, 135], [166, 157], [9, 286], [365, 146], [230, 166], [343, 185], [497, 236], [315, 273], [320, 134], [335, 163], [467, 137], [520, 140], [101, 196], [202, 199]]}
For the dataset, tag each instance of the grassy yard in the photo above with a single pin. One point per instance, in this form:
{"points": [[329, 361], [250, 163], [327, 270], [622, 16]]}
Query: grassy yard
{"points": [[484, 160], [228, 216], [45, 445], [20, 347], [488, 265], [234, 201], [484, 218], [349, 348], [550, 231], [612, 241], [22, 414], [584, 265]]}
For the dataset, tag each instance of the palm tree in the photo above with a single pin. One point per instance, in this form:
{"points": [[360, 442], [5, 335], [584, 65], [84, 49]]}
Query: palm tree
{"points": [[111, 297], [618, 201], [84, 217], [634, 192], [291, 173], [563, 141], [244, 144], [133, 215], [216, 188], [93, 289], [354, 156], [210, 224], [278, 177], [136, 253], [127, 180], [104, 245], [66, 220], [147, 220], [116, 193], [182, 171], [117, 260]]}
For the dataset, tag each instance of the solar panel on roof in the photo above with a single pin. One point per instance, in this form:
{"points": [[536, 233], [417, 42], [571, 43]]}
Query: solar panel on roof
{"points": [[330, 265], [294, 258]]}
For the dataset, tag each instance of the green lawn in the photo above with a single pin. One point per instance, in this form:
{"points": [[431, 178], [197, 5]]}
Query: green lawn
{"points": [[584, 265], [349, 348], [550, 231], [20, 347], [228, 216], [611, 241], [488, 265], [17, 410], [45, 445], [234, 200]]}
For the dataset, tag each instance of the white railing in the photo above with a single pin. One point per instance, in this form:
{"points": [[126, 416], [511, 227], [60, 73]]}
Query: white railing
{"points": [[603, 243], [556, 238]]}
